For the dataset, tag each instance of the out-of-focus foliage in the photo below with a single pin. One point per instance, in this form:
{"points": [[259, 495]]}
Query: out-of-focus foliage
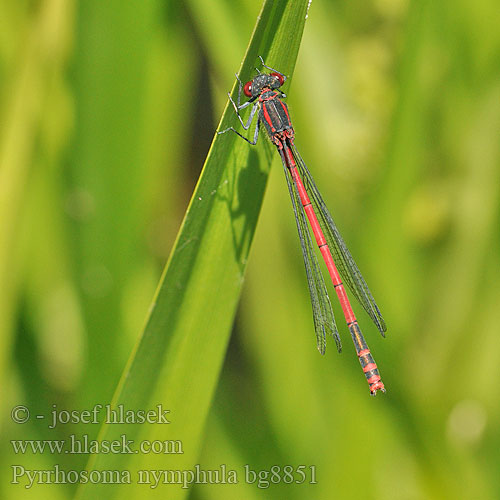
{"points": [[107, 111]]}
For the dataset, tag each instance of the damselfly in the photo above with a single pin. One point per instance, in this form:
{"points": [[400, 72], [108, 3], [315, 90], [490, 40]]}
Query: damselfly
{"points": [[263, 91]]}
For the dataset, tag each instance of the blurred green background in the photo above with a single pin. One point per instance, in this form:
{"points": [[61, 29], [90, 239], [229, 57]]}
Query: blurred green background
{"points": [[107, 111]]}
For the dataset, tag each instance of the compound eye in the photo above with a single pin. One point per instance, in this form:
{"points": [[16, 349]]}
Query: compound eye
{"points": [[280, 78], [247, 89]]}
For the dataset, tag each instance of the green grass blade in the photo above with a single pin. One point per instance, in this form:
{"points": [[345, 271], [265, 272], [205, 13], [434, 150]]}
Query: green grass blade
{"points": [[177, 360]]}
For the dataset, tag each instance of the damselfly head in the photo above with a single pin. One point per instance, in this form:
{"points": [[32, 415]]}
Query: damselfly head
{"points": [[254, 87]]}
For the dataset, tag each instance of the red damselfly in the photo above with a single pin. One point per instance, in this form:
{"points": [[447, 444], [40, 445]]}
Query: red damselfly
{"points": [[263, 91]]}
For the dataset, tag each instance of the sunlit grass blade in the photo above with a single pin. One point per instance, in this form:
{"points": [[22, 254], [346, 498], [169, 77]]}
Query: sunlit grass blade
{"points": [[177, 360]]}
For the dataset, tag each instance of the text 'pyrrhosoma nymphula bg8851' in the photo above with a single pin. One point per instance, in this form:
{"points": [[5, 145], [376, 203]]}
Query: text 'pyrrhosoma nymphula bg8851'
{"points": [[263, 91]]}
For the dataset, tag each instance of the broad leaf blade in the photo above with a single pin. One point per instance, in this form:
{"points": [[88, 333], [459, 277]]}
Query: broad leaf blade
{"points": [[177, 360]]}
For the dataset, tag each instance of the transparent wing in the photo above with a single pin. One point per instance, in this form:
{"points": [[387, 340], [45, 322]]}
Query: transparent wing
{"points": [[351, 275], [324, 321]]}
